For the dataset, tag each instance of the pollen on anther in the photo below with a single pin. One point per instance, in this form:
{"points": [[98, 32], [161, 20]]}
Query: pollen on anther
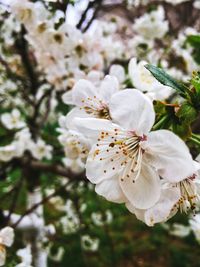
{"points": [[112, 144]]}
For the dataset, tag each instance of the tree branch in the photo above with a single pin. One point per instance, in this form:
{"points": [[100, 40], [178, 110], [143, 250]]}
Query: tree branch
{"points": [[84, 15], [34, 207], [56, 169], [22, 47]]}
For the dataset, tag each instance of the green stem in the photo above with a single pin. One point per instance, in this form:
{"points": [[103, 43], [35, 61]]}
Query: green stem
{"points": [[196, 141], [160, 123], [195, 136]]}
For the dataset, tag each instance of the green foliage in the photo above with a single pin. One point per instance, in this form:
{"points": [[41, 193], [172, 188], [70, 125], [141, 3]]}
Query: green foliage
{"points": [[195, 81], [166, 79], [187, 113], [194, 41]]}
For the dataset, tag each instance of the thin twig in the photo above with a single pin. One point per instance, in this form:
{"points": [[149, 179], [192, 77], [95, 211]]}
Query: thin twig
{"points": [[35, 206], [56, 169], [22, 47], [95, 13], [15, 200], [84, 15]]}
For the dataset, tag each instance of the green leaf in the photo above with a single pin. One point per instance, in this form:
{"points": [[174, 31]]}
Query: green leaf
{"points": [[187, 113], [196, 81], [194, 40], [182, 130], [166, 79]]}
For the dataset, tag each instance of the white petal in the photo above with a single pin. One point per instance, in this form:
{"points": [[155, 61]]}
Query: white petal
{"points": [[138, 213], [67, 98], [2, 255], [118, 71], [109, 86], [111, 190], [16, 113], [83, 93], [74, 113], [169, 155], [7, 236], [160, 93], [94, 76], [132, 110], [141, 78], [145, 191], [91, 127], [99, 165], [6, 120], [164, 208]]}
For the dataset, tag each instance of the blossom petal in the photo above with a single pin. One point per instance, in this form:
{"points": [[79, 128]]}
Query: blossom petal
{"points": [[132, 110], [109, 86], [145, 191], [91, 127], [164, 208], [67, 98], [138, 213], [111, 190], [7, 236], [84, 93], [74, 113], [118, 71], [169, 155], [143, 80], [99, 165]]}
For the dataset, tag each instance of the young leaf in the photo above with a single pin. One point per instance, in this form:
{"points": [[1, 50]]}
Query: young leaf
{"points": [[196, 81], [194, 40], [166, 79]]}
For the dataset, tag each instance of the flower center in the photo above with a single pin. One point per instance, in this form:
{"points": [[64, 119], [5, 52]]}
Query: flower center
{"points": [[124, 152], [132, 149], [96, 107], [189, 196]]}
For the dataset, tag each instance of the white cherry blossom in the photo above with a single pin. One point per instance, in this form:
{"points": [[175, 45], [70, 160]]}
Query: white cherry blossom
{"points": [[89, 244], [143, 80], [11, 151], [152, 25], [76, 147], [40, 150], [127, 160], [182, 196], [13, 120], [6, 240], [90, 100], [26, 257], [180, 230]]}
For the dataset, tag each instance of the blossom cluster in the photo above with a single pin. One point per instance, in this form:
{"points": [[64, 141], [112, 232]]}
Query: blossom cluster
{"points": [[152, 172]]}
